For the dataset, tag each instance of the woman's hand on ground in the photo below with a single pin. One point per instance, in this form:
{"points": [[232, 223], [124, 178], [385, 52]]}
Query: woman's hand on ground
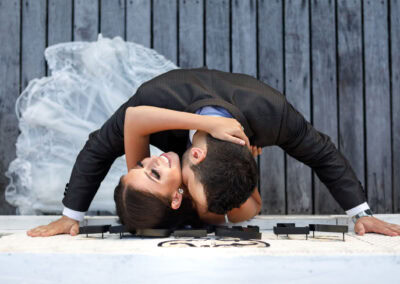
{"points": [[227, 129], [64, 225]]}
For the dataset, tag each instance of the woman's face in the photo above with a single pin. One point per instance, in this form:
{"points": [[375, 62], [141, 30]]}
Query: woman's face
{"points": [[159, 175]]}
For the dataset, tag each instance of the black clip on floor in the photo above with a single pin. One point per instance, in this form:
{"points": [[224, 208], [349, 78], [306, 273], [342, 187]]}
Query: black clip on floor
{"points": [[152, 233], [251, 232], [118, 230], [94, 230], [290, 229], [328, 228]]}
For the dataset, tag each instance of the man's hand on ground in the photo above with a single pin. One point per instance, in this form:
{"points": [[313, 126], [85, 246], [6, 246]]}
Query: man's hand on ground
{"points": [[64, 225], [374, 225]]}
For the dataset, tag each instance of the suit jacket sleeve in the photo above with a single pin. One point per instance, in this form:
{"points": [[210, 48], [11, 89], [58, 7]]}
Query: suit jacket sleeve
{"points": [[94, 161], [303, 142]]}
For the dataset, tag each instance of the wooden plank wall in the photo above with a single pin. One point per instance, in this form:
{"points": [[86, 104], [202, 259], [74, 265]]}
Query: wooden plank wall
{"points": [[10, 87], [336, 61]]}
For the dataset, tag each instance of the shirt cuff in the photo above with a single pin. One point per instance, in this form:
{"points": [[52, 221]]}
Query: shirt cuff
{"points": [[354, 211], [76, 215]]}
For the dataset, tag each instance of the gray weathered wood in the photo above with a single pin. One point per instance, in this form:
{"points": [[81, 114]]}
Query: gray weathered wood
{"points": [[297, 89], [165, 28], [324, 91], [244, 47], [217, 35], [270, 62], [191, 33], [243, 36], [33, 40], [350, 84], [59, 21], [112, 18], [9, 90], [86, 20], [138, 22], [395, 56], [377, 101]]}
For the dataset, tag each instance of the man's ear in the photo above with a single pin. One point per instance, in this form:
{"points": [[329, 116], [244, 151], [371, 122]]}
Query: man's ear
{"points": [[197, 155], [176, 200]]}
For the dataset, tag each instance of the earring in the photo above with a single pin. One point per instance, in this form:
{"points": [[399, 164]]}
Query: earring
{"points": [[180, 191]]}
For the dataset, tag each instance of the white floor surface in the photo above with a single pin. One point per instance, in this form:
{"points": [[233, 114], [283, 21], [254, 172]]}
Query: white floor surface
{"points": [[323, 259]]}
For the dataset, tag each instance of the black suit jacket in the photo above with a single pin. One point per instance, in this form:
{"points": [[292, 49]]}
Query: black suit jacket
{"points": [[268, 119]]}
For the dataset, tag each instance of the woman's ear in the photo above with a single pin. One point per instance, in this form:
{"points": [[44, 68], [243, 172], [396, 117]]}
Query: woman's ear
{"points": [[176, 200], [197, 155]]}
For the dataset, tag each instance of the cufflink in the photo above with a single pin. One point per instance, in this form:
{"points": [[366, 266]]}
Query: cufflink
{"points": [[66, 188]]}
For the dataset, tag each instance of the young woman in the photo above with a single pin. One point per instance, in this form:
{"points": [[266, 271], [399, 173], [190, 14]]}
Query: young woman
{"points": [[153, 192]]}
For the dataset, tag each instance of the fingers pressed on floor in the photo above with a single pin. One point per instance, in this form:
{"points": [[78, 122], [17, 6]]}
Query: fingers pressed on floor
{"points": [[37, 228], [388, 232], [34, 231], [43, 230], [395, 227], [33, 234]]}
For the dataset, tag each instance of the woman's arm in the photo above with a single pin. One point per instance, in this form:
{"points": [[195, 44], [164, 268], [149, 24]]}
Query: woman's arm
{"points": [[246, 211], [142, 121]]}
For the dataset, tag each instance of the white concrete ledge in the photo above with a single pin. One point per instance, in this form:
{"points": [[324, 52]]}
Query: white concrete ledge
{"points": [[323, 259], [195, 269]]}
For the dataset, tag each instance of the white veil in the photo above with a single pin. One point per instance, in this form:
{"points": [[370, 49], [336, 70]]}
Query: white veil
{"points": [[88, 82]]}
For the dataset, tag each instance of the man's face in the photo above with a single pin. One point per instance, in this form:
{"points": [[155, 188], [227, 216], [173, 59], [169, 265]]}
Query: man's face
{"points": [[193, 185]]}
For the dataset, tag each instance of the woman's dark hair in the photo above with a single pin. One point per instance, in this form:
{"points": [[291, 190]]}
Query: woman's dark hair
{"points": [[139, 209], [228, 174]]}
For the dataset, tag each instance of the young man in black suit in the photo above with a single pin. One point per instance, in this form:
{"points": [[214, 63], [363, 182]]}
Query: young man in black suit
{"points": [[263, 113]]}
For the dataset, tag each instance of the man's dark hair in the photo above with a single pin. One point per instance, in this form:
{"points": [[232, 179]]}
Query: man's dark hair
{"points": [[139, 209], [228, 174]]}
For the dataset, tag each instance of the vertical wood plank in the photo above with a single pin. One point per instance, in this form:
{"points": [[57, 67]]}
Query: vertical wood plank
{"points": [[112, 18], [350, 84], [217, 35], [9, 89], [191, 42], [86, 20], [60, 21], [377, 101], [244, 47], [324, 92], [33, 40], [395, 67], [297, 89], [165, 28], [138, 22], [270, 62]]}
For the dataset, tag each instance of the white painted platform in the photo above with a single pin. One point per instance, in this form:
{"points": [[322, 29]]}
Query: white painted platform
{"points": [[324, 259]]}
